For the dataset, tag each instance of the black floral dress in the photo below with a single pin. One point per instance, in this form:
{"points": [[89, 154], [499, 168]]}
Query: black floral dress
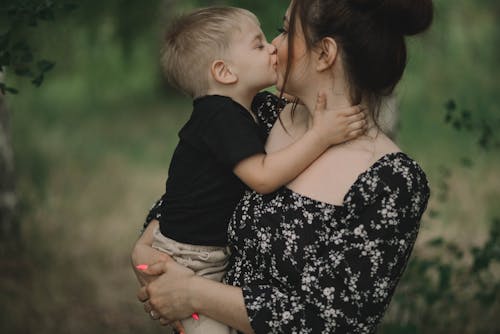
{"points": [[307, 266]]}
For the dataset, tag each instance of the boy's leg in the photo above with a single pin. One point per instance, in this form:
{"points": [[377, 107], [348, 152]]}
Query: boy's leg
{"points": [[209, 262]]}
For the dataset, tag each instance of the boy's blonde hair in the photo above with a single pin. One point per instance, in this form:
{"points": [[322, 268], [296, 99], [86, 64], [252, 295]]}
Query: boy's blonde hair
{"points": [[193, 41]]}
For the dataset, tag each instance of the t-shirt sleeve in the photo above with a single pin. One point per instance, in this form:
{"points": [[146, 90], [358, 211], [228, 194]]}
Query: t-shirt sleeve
{"points": [[231, 136]]}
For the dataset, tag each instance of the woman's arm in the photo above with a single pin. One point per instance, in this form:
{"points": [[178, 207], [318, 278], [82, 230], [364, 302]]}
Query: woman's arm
{"points": [[222, 302], [143, 253], [177, 293]]}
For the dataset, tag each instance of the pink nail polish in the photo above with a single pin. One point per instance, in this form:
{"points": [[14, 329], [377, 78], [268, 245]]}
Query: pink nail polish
{"points": [[195, 316], [142, 267]]}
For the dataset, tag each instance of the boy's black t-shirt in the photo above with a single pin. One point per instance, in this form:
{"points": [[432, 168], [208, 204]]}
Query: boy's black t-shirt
{"points": [[202, 190]]}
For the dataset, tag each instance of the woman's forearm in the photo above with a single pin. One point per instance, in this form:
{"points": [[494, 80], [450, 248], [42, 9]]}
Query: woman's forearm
{"points": [[146, 237], [221, 302]]}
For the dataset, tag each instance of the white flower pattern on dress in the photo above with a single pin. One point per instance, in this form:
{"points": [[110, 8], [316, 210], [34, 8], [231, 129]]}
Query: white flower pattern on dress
{"points": [[307, 266], [311, 267]]}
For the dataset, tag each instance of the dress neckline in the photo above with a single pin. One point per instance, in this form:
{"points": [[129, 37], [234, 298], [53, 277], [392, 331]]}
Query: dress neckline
{"points": [[382, 159]]}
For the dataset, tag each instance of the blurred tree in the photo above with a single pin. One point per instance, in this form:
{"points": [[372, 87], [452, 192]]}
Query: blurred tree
{"points": [[7, 195], [19, 24], [16, 54]]}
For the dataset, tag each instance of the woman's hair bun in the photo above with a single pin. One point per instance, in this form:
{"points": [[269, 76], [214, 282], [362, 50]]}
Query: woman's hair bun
{"points": [[407, 17], [366, 4]]}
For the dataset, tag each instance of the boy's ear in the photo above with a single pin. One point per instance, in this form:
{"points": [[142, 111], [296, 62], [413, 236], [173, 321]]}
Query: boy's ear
{"points": [[328, 52], [222, 73]]}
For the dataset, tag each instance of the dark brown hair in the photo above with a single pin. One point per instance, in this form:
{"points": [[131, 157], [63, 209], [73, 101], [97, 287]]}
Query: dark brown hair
{"points": [[371, 38]]}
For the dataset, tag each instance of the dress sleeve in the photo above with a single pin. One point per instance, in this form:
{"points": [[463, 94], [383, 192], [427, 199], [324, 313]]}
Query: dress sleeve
{"points": [[154, 213], [267, 106], [348, 279]]}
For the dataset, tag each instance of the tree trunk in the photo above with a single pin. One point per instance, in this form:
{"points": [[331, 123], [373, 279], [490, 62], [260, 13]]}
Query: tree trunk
{"points": [[8, 198]]}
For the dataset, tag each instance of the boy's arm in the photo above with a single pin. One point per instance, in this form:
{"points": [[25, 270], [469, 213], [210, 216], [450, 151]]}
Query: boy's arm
{"points": [[267, 172]]}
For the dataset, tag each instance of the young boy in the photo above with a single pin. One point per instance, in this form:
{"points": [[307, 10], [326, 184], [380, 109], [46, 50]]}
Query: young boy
{"points": [[221, 58]]}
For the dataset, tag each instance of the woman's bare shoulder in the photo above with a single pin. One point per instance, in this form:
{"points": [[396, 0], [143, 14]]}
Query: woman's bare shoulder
{"points": [[331, 176]]}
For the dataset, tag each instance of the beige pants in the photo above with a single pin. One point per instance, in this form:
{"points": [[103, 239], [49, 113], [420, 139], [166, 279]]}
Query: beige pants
{"points": [[207, 261]]}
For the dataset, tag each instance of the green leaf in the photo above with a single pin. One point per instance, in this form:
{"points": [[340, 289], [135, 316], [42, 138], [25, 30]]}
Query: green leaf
{"points": [[45, 65], [4, 88], [448, 118], [433, 213], [11, 90], [455, 250], [451, 105], [436, 242], [38, 80]]}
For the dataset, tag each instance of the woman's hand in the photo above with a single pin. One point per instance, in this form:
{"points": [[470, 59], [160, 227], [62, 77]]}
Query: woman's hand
{"points": [[145, 254], [169, 295], [336, 126]]}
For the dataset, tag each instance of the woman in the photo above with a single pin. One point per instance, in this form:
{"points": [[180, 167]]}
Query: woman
{"points": [[325, 253]]}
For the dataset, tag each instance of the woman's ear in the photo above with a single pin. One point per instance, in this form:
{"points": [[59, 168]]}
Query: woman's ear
{"points": [[328, 51], [222, 73]]}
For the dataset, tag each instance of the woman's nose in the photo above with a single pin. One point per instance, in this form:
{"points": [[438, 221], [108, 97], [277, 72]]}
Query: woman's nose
{"points": [[272, 49], [275, 41]]}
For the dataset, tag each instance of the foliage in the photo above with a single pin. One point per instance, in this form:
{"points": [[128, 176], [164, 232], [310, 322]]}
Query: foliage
{"points": [[450, 291], [446, 288], [20, 25], [16, 51]]}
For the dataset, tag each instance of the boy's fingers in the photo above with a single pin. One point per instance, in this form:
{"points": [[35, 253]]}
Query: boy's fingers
{"points": [[358, 125], [355, 133], [354, 110], [356, 117]]}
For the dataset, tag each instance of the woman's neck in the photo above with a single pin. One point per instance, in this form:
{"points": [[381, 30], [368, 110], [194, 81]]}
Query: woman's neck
{"points": [[337, 97]]}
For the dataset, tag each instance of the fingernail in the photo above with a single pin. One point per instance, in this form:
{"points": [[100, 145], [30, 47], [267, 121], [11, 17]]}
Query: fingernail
{"points": [[142, 267]]}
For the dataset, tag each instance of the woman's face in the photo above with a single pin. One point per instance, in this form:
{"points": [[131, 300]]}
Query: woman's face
{"points": [[299, 64]]}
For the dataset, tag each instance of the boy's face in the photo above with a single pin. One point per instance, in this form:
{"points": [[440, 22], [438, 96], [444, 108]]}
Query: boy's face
{"points": [[251, 57]]}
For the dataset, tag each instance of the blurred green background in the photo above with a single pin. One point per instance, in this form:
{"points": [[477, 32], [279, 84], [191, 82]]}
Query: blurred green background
{"points": [[93, 143]]}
